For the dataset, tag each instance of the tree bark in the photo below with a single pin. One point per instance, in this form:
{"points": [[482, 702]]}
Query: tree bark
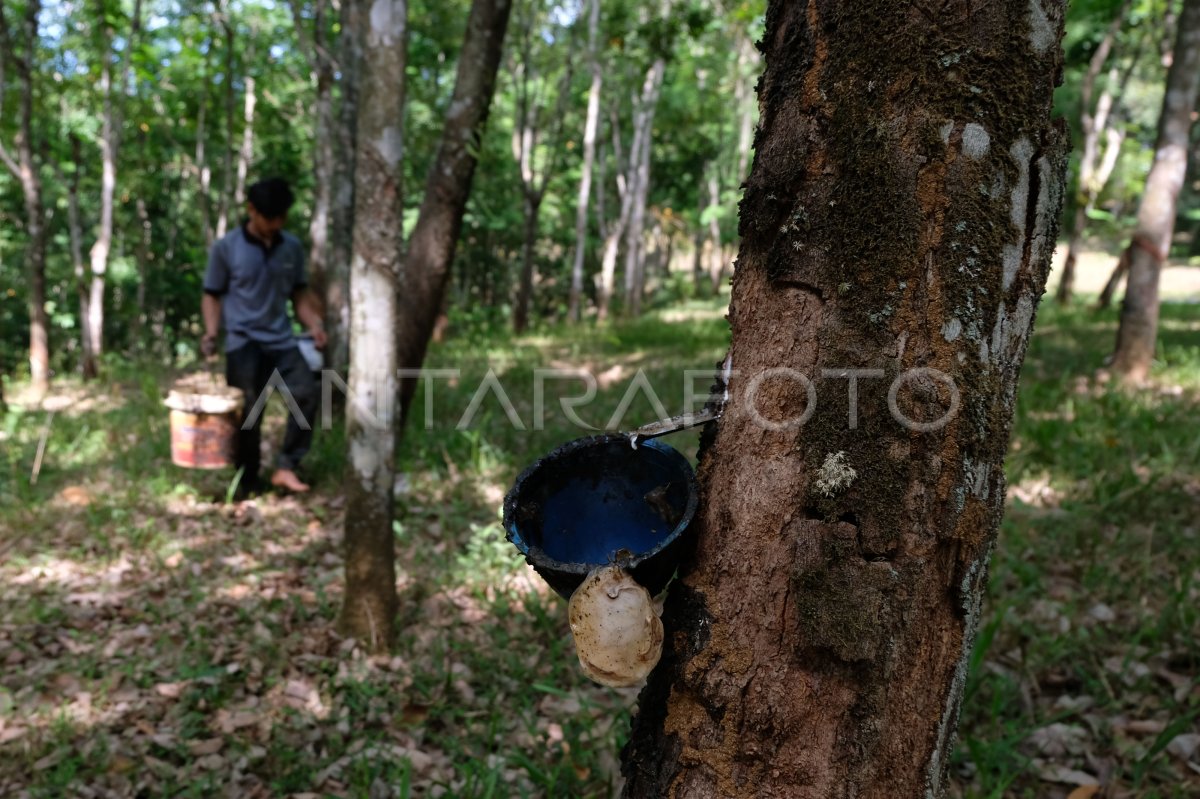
{"points": [[337, 306], [448, 185], [591, 124], [24, 168], [1156, 215], [370, 603], [818, 637], [1092, 122]]}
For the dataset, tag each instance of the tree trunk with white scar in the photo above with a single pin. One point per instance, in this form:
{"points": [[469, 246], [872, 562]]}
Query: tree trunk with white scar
{"points": [[369, 606], [896, 233]]}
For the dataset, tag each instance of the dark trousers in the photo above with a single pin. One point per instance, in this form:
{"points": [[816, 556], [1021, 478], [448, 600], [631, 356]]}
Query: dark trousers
{"points": [[252, 369]]}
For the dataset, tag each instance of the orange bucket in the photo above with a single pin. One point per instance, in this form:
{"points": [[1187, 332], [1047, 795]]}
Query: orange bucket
{"points": [[204, 422]]}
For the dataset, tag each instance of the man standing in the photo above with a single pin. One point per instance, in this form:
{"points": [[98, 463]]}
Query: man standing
{"points": [[252, 272]]}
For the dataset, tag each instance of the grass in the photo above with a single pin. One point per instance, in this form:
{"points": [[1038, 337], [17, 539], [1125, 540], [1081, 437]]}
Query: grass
{"points": [[159, 641]]}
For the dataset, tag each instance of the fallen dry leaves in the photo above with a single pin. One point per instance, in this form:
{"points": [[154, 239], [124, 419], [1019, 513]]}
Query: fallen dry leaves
{"points": [[213, 661]]}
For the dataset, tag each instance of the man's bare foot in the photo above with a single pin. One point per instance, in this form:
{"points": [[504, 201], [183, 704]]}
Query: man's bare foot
{"points": [[286, 478]]}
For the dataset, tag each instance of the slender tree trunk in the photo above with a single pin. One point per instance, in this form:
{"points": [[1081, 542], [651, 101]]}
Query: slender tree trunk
{"points": [[325, 134], [531, 208], [818, 637], [747, 63], [1151, 242], [247, 150], [614, 231], [337, 306], [24, 168], [716, 253], [589, 153], [1114, 281], [203, 170], [370, 603], [110, 145], [324, 143], [1093, 124], [75, 232], [93, 323], [698, 239], [143, 267], [224, 18], [668, 253], [448, 184], [635, 246], [528, 126]]}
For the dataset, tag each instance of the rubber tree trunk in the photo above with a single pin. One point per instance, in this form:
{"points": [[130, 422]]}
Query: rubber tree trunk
{"points": [[1092, 122], [331, 145], [75, 233], [639, 188], [223, 17], [818, 637], [145, 232], [590, 126], [1114, 280], [202, 169], [716, 252], [247, 150], [533, 119], [24, 167], [531, 209], [337, 276], [747, 63], [110, 145], [448, 185], [616, 229], [1156, 215], [369, 606], [93, 323], [324, 146]]}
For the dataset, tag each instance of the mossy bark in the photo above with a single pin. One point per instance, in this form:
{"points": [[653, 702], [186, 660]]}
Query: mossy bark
{"points": [[900, 215]]}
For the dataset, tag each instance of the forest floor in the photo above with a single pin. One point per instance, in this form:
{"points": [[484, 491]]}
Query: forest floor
{"points": [[159, 641]]}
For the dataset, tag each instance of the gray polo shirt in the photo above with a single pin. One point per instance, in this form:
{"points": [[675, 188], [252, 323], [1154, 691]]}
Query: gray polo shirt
{"points": [[254, 282]]}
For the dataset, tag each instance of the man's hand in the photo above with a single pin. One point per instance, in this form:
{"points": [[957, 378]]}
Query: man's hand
{"points": [[208, 346], [318, 336]]}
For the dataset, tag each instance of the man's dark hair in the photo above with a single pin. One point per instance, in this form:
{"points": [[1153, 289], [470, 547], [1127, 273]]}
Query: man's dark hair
{"points": [[271, 197]]}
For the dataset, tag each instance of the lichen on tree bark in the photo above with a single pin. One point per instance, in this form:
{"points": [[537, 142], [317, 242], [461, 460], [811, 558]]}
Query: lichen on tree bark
{"points": [[900, 215]]}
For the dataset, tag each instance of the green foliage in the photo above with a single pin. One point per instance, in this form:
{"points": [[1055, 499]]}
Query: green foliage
{"points": [[184, 82]]}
